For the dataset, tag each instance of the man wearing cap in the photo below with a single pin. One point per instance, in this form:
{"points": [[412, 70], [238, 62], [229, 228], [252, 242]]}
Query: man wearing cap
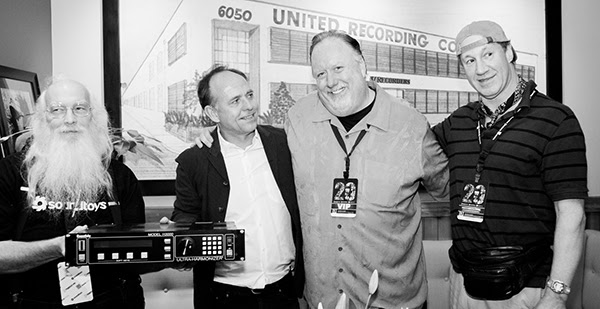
{"points": [[518, 179]]}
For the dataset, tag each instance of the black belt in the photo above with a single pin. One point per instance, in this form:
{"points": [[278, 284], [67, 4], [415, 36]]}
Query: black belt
{"points": [[283, 285]]}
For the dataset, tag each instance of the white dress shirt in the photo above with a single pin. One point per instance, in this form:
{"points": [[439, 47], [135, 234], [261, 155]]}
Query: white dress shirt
{"points": [[256, 205]]}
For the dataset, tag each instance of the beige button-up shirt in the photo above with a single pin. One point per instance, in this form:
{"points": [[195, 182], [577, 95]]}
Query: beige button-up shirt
{"points": [[398, 152]]}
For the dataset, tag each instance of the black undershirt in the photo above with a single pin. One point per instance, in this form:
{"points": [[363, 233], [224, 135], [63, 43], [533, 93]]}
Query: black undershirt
{"points": [[351, 120]]}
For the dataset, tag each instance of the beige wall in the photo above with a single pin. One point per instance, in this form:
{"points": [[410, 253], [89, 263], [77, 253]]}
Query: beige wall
{"points": [[77, 42], [581, 66], [25, 37], [47, 38]]}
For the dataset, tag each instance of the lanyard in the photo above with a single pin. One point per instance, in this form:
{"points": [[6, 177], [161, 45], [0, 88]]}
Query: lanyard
{"points": [[485, 150], [338, 136]]}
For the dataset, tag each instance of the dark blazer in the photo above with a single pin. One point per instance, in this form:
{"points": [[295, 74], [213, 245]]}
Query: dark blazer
{"points": [[202, 192]]}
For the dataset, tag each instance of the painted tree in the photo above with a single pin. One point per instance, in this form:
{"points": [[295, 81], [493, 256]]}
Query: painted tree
{"points": [[280, 103]]}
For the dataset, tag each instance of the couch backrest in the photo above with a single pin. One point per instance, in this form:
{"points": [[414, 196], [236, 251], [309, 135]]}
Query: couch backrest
{"points": [[588, 295], [169, 288], [437, 265]]}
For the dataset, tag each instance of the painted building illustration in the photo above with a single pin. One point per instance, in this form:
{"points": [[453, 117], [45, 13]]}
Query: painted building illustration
{"points": [[270, 43]]}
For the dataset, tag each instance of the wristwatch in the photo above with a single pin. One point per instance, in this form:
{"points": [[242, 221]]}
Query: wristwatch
{"points": [[558, 287]]}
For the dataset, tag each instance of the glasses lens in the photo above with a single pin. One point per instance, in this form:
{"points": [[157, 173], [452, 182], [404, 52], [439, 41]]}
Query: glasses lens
{"points": [[81, 110], [57, 111]]}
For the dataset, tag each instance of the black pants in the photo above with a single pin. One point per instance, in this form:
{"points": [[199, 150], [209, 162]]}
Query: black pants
{"points": [[124, 295], [278, 295]]}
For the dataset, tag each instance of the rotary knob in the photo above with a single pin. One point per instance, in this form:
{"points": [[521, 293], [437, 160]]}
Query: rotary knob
{"points": [[185, 246]]}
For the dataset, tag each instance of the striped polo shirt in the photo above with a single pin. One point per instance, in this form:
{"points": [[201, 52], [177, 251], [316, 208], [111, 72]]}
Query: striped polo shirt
{"points": [[538, 158]]}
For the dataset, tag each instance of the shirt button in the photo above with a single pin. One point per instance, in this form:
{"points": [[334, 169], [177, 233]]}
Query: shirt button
{"points": [[341, 270], [347, 136], [225, 183], [340, 249], [341, 291], [339, 226]]}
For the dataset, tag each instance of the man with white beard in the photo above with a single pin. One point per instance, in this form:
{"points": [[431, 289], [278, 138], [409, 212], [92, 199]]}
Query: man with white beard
{"points": [[65, 180]]}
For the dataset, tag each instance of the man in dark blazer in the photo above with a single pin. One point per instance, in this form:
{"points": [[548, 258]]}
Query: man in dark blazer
{"points": [[246, 177]]}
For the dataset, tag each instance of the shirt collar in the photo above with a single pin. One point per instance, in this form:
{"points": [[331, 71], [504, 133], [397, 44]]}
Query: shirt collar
{"points": [[227, 147], [378, 117], [526, 94]]}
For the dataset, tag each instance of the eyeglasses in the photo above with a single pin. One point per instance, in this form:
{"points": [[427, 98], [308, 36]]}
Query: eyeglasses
{"points": [[80, 109]]}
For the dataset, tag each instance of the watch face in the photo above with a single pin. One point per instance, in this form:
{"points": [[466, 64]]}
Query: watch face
{"points": [[558, 287]]}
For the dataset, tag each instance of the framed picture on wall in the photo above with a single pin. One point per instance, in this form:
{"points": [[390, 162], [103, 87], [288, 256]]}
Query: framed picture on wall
{"points": [[18, 91]]}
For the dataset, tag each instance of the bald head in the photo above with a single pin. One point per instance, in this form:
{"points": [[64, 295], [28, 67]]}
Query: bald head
{"points": [[67, 110], [66, 90]]}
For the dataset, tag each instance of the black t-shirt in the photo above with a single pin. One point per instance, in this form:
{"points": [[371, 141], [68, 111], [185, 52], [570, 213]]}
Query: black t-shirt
{"points": [[41, 283]]}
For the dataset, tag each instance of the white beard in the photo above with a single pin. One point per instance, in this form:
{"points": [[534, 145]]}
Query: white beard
{"points": [[67, 168]]}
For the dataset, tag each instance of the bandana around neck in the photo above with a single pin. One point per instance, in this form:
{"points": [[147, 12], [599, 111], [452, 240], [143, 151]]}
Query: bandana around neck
{"points": [[514, 99]]}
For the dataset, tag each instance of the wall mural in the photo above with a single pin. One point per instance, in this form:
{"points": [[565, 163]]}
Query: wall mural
{"points": [[165, 50]]}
